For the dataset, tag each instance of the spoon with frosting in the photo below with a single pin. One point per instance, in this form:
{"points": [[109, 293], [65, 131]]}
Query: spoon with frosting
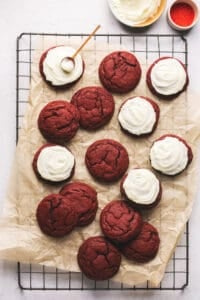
{"points": [[61, 66], [68, 63]]}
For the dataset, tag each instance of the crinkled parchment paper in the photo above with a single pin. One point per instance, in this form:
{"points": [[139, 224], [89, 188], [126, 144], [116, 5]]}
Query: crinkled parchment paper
{"points": [[22, 240]]}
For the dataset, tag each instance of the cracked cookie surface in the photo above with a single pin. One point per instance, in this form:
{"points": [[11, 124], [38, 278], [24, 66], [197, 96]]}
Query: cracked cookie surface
{"points": [[95, 105], [98, 258], [120, 222], [58, 121], [120, 72], [107, 160], [84, 199], [145, 247], [56, 215]]}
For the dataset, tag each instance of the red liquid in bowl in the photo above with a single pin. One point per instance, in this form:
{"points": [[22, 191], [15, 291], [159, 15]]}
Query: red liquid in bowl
{"points": [[182, 14]]}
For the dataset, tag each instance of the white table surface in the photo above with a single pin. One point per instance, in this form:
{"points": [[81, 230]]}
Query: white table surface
{"points": [[75, 16]]}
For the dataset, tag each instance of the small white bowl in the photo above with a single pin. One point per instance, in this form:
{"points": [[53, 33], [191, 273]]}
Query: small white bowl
{"points": [[196, 15]]}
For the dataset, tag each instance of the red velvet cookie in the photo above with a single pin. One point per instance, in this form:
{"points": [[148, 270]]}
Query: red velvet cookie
{"points": [[144, 247], [120, 72], [56, 215], [98, 259], [106, 160], [120, 222], [53, 74], [138, 116], [170, 154], [95, 105], [53, 163], [142, 188], [167, 80], [84, 199], [58, 121]]}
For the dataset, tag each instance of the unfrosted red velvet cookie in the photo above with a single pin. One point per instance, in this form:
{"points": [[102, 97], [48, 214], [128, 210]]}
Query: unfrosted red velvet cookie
{"points": [[84, 199], [107, 160], [51, 67], [120, 72], [144, 247], [53, 163], [139, 116], [58, 121], [120, 222], [56, 215], [170, 154], [98, 259], [167, 77], [95, 105]]}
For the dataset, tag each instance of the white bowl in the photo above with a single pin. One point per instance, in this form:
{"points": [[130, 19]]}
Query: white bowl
{"points": [[196, 15], [148, 22]]}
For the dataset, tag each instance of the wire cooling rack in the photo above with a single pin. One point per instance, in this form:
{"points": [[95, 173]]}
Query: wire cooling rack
{"points": [[149, 47]]}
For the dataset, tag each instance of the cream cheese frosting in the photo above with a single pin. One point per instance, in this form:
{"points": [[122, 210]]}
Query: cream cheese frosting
{"points": [[67, 65], [134, 12], [59, 73], [141, 186], [168, 76], [169, 155], [137, 116], [55, 163]]}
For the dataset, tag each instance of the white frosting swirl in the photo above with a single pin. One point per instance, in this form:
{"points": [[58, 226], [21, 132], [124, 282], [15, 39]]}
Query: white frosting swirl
{"points": [[133, 12], [52, 66], [137, 116], [55, 163], [169, 156], [141, 186], [168, 76]]}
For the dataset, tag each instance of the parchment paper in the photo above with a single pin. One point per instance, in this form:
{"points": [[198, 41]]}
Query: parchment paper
{"points": [[21, 238]]}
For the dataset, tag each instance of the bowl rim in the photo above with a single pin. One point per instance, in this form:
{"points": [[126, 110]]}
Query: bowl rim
{"points": [[148, 22], [193, 4]]}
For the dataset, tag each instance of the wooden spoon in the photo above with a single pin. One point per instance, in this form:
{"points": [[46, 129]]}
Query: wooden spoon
{"points": [[67, 63]]}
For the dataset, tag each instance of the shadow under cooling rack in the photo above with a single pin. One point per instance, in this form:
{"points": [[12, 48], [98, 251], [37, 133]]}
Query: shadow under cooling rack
{"points": [[150, 47]]}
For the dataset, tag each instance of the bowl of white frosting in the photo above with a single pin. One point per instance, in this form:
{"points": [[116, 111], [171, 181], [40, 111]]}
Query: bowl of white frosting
{"points": [[137, 13]]}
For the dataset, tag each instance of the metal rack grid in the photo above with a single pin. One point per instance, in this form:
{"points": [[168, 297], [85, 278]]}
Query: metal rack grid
{"points": [[150, 47]]}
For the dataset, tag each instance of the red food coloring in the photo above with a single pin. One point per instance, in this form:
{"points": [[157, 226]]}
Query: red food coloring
{"points": [[182, 14]]}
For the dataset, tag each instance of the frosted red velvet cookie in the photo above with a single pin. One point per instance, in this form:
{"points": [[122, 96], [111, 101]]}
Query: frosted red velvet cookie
{"points": [[53, 163], [98, 259], [107, 160], [58, 71], [120, 222], [84, 199], [144, 247], [95, 105], [139, 116], [170, 154], [120, 72], [142, 188], [58, 121], [56, 215], [167, 77]]}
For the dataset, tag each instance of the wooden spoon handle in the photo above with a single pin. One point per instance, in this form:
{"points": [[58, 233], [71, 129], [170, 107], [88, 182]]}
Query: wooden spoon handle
{"points": [[85, 42]]}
